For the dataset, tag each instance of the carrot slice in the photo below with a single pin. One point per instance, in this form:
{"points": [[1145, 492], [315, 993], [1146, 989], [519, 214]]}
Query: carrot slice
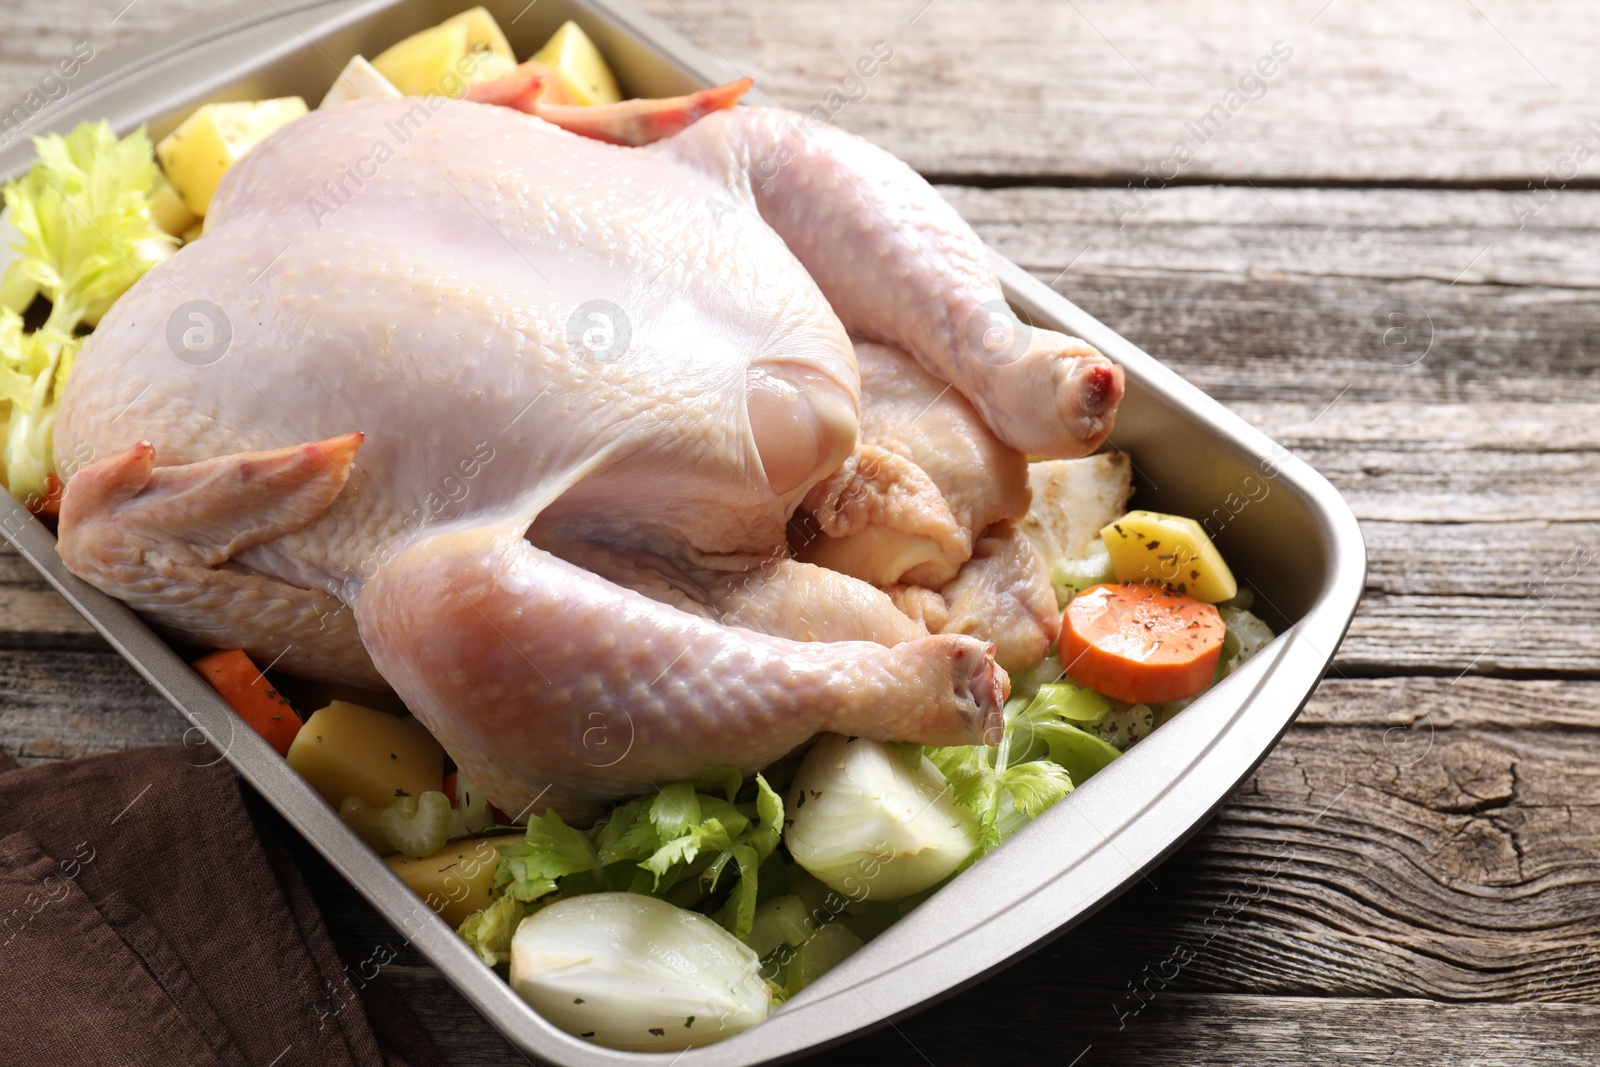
{"points": [[247, 691], [47, 506], [1140, 643]]}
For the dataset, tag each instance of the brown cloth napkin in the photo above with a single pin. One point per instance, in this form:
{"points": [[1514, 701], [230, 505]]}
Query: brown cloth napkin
{"points": [[149, 916]]}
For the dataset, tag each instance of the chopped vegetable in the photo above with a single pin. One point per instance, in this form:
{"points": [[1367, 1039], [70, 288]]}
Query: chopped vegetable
{"points": [[1246, 636], [426, 63], [197, 154], [1000, 788], [676, 845], [83, 217], [1072, 499], [573, 58], [875, 822], [1115, 722], [1042, 724], [483, 32], [632, 972], [359, 80], [782, 920], [1150, 546], [827, 947], [489, 930], [1070, 702], [16, 290], [444, 59], [549, 850], [167, 209], [1140, 643], [245, 688], [346, 750], [470, 811], [1026, 683], [418, 826], [458, 880], [1069, 577], [1125, 724]]}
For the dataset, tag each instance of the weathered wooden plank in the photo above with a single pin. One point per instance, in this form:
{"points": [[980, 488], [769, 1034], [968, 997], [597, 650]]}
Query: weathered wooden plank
{"points": [[1289, 339], [1459, 635], [1042, 1018], [463, 1036], [60, 704], [1051, 1025], [33, 614], [1469, 469], [1477, 597], [967, 93], [1549, 566], [1478, 237], [1422, 705], [1428, 90], [1374, 861], [1283, 295]]}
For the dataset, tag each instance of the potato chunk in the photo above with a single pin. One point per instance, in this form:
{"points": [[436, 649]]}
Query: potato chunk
{"points": [[1150, 546], [199, 152], [444, 59], [359, 80], [575, 59], [457, 880], [167, 209], [483, 32], [346, 750]]}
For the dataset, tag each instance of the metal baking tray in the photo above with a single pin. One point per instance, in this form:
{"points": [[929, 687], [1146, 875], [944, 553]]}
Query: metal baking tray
{"points": [[1286, 531]]}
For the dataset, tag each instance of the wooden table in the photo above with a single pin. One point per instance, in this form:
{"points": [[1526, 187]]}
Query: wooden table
{"points": [[1439, 800]]}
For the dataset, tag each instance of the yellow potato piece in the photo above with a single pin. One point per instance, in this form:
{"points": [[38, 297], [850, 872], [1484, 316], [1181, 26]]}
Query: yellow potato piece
{"points": [[444, 59], [428, 63], [197, 154], [487, 66], [483, 32], [1150, 546], [457, 880], [167, 209], [574, 57], [346, 750]]}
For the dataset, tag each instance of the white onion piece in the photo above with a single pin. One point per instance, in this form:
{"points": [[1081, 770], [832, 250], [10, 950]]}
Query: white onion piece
{"points": [[633, 972], [868, 826]]}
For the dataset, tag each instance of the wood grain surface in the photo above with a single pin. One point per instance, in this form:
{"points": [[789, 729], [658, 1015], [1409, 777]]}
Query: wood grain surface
{"points": [[1413, 875]]}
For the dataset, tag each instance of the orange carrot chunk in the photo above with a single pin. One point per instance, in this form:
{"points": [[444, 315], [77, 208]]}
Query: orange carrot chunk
{"points": [[247, 691], [47, 506], [1140, 643]]}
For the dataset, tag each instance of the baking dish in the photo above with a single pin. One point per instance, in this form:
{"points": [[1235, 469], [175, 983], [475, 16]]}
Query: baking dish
{"points": [[1283, 527]]}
